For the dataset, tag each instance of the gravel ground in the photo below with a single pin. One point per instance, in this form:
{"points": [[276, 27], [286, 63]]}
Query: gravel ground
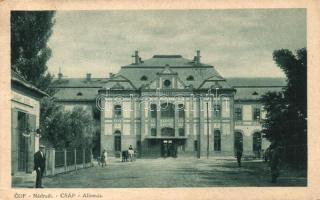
{"points": [[179, 172]]}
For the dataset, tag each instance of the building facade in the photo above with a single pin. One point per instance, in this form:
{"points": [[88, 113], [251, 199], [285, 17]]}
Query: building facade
{"points": [[25, 115], [172, 106]]}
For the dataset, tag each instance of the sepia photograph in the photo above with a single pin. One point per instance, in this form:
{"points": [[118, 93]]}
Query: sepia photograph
{"points": [[159, 98]]}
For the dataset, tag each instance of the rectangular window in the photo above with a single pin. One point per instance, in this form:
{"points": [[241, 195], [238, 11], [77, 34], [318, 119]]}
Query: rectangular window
{"points": [[153, 110], [153, 132], [238, 113], [117, 110], [181, 131], [181, 110], [256, 114], [217, 111]]}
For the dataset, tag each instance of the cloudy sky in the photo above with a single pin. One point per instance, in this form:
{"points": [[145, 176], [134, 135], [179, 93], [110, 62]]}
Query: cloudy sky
{"points": [[236, 42]]}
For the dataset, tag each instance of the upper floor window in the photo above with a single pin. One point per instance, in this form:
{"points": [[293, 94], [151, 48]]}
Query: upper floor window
{"points": [[181, 110], [144, 78], [153, 132], [181, 131], [117, 111], [256, 114], [167, 83], [190, 78], [153, 110], [167, 110], [238, 113], [217, 111]]}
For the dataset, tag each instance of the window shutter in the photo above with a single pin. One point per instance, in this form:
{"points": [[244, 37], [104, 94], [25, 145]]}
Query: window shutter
{"points": [[32, 129]]}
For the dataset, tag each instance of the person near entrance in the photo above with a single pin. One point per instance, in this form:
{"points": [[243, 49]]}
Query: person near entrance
{"points": [[39, 165], [131, 153], [239, 153]]}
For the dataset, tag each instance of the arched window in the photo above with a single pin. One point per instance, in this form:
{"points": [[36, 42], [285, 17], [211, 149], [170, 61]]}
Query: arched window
{"points": [[238, 141], [256, 144], [181, 110], [153, 110], [117, 140], [144, 78], [190, 78], [217, 140], [167, 110], [117, 111]]}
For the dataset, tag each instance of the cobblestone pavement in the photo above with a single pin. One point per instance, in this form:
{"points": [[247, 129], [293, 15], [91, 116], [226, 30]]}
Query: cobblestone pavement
{"points": [[179, 172]]}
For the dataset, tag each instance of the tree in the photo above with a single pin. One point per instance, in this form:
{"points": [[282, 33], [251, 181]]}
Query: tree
{"points": [[66, 129], [30, 32], [286, 119]]}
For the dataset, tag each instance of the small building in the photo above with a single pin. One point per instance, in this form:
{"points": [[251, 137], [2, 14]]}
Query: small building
{"points": [[25, 116]]}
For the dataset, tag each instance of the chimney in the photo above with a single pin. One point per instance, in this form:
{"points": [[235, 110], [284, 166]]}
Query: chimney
{"points": [[88, 77], [60, 75], [198, 57], [136, 57]]}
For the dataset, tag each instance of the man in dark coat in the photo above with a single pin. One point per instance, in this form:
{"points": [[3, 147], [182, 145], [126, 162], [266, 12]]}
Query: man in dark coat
{"points": [[39, 165], [239, 150]]}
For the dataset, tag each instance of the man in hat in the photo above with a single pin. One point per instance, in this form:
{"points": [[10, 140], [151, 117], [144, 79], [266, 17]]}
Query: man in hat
{"points": [[39, 165]]}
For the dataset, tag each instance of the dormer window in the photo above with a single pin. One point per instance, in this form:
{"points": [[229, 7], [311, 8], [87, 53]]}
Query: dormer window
{"points": [[79, 94], [144, 78], [190, 78], [255, 93]]}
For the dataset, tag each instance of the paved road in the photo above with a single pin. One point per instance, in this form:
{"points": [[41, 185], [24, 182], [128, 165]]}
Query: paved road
{"points": [[170, 172]]}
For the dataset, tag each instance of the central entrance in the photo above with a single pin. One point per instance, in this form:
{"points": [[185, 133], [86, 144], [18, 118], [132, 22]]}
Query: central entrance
{"points": [[168, 148]]}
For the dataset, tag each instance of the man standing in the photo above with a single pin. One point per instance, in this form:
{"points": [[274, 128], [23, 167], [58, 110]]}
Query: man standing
{"points": [[239, 153], [39, 165]]}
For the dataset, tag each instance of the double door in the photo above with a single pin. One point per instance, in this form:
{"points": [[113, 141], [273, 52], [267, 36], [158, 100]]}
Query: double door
{"points": [[168, 148]]}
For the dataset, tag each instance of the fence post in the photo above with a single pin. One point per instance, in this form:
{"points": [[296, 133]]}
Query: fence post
{"points": [[75, 159], [53, 161], [65, 160], [84, 157]]}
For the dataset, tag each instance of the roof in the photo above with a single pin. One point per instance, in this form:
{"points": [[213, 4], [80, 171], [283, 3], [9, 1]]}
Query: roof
{"points": [[167, 60], [254, 88], [183, 67], [19, 79], [79, 82], [76, 94], [256, 82]]}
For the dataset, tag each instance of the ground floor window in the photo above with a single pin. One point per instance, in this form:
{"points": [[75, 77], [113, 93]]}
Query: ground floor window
{"points": [[195, 145], [181, 131], [217, 140]]}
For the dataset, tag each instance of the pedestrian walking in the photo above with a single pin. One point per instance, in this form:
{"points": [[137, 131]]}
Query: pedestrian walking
{"points": [[39, 165], [239, 153], [131, 153], [275, 158], [104, 156]]}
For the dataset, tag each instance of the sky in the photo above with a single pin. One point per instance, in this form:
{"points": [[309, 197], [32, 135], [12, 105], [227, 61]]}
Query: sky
{"points": [[238, 43]]}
